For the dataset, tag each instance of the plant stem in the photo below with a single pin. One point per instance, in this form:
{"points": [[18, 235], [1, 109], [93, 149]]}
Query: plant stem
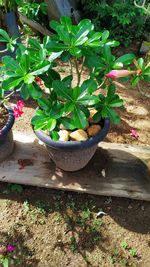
{"points": [[71, 69], [77, 70], [82, 67], [78, 73], [7, 97], [103, 82]]}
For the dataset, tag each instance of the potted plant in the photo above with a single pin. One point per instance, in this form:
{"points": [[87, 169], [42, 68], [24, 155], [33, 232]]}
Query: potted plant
{"points": [[75, 113], [7, 118]]}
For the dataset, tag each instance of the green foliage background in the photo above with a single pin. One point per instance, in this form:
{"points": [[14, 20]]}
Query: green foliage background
{"points": [[124, 21]]}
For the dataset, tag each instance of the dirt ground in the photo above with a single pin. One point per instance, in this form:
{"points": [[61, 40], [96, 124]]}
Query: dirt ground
{"points": [[51, 228]]}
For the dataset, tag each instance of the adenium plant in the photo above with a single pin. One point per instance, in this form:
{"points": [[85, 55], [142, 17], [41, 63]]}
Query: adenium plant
{"points": [[70, 99]]}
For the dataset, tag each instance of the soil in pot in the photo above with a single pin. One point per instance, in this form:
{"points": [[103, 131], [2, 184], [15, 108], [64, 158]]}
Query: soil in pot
{"points": [[3, 116]]}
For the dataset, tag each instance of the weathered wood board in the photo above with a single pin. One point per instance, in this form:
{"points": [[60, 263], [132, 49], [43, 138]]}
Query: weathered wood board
{"points": [[115, 170]]}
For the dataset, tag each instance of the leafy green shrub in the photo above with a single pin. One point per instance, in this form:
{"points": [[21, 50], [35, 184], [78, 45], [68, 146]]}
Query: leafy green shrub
{"points": [[32, 9], [124, 21], [70, 99]]}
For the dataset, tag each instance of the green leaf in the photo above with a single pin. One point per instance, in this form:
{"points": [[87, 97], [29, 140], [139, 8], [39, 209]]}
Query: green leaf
{"points": [[62, 90], [5, 263], [140, 62], [11, 83], [54, 24], [75, 51], [29, 78], [43, 122], [56, 111], [67, 80], [97, 116], [54, 135], [94, 44], [24, 92], [63, 34], [79, 118], [56, 47], [146, 78], [105, 35], [95, 37], [126, 59], [34, 91], [67, 23], [88, 100], [41, 68], [10, 63], [114, 117], [68, 107], [68, 123], [117, 65], [65, 56], [34, 44], [135, 80], [54, 55], [44, 104], [117, 102], [107, 54], [5, 35], [146, 71], [88, 86], [85, 27]]}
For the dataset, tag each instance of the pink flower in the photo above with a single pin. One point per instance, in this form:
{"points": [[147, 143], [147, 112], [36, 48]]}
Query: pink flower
{"points": [[18, 109], [118, 73], [20, 104], [10, 248], [134, 133]]}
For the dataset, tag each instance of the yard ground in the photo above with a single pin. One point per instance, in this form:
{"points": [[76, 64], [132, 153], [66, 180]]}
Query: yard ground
{"points": [[53, 228]]}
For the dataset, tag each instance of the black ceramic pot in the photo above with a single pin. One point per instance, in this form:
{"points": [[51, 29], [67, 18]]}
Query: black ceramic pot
{"points": [[73, 155], [12, 28], [6, 136]]}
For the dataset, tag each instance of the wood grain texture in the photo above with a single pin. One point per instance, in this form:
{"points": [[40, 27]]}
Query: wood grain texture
{"points": [[115, 170], [34, 25]]}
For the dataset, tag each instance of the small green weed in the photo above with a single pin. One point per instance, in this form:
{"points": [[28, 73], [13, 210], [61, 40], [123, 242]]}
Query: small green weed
{"points": [[73, 244], [133, 252], [124, 244], [16, 188]]}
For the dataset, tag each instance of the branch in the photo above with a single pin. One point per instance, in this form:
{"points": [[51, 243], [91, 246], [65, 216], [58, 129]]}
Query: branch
{"points": [[143, 7], [6, 97], [78, 73]]}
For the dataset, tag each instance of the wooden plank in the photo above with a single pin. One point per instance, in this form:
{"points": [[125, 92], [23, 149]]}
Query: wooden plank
{"points": [[115, 170], [34, 25]]}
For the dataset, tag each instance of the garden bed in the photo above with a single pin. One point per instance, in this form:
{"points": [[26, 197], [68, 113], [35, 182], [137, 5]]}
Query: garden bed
{"points": [[54, 228]]}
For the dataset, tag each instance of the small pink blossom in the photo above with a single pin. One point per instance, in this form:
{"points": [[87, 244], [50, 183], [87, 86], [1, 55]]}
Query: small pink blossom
{"points": [[10, 248], [18, 109], [134, 133], [113, 74], [20, 103]]}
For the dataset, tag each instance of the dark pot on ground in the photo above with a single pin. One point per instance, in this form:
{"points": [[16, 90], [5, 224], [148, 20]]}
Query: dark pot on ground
{"points": [[73, 155], [6, 136], [10, 22]]}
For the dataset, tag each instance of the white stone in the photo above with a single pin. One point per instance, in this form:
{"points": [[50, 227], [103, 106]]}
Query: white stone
{"points": [[79, 135], [63, 135]]}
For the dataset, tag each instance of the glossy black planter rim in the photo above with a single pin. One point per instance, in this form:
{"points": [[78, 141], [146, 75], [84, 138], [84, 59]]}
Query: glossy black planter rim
{"points": [[11, 118], [73, 145]]}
